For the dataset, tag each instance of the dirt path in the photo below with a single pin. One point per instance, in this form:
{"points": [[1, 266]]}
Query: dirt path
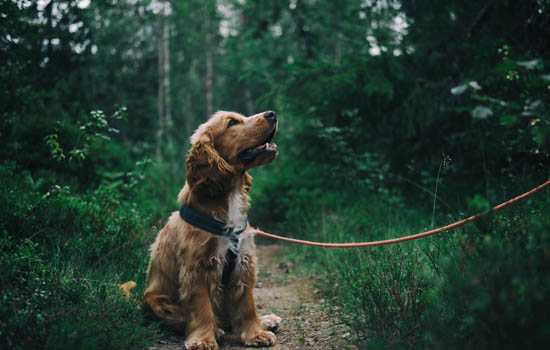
{"points": [[305, 320]]}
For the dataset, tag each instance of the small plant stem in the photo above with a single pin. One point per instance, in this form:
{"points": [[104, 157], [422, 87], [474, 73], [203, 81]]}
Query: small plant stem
{"points": [[435, 192]]}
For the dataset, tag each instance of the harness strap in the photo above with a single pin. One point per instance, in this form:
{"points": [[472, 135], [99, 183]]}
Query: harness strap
{"points": [[230, 259], [218, 228]]}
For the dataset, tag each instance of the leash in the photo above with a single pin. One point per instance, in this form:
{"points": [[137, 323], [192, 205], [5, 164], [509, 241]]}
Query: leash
{"points": [[406, 238]]}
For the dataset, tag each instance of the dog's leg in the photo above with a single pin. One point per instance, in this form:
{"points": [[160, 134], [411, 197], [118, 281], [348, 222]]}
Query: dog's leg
{"points": [[249, 325], [200, 325], [162, 306], [244, 318]]}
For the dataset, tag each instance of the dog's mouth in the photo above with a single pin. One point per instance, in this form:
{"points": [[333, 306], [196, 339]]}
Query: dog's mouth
{"points": [[265, 147]]}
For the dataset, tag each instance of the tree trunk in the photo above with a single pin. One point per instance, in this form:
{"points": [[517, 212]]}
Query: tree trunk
{"points": [[249, 102], [189, 120], [160, 96], [49, 26], [168, 123], [208, 49]]}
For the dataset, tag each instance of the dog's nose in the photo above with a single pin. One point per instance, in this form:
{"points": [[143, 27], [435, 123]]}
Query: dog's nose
{"points": [[270, 115]]}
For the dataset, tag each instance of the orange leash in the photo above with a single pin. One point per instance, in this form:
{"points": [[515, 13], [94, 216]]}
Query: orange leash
{"points": [[406, 238]]}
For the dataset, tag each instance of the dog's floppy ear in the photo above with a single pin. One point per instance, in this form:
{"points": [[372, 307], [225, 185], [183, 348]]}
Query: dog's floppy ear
{"points": [[206, 169]]}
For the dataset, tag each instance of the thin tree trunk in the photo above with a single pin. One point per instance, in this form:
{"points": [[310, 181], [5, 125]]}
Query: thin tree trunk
{"points": [[209, 74], [160, 96], [249, 102], [189, 120], [168, 123], [300, 22], [338, 49], [49, 26]]}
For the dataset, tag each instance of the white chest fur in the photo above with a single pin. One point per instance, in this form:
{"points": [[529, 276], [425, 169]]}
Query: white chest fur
{"points": [[235, 215], [235, 220]]}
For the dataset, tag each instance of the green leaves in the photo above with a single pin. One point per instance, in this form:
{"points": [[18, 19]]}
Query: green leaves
{"points": [[462, 88], [478, 204], [531, 64], [481, 112], [378, 84], [92, 131], [509, 119], [55, 148]]}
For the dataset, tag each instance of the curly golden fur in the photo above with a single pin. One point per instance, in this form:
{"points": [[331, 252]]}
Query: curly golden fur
{"points": [[184, 276]]}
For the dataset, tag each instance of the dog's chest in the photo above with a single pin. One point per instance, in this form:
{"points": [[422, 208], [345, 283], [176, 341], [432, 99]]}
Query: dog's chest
{"points": [[236, 219], [235, 205], [240, 244]]}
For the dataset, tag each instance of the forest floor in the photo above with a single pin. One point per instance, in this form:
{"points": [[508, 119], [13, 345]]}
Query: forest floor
{"points": [[307, 321]]}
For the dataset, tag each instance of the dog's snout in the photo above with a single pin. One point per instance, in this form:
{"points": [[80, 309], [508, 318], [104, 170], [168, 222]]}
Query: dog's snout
{"points": [[270, 115]]}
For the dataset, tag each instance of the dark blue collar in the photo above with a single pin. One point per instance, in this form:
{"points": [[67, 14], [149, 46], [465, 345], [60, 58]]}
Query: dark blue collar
{"points": [[208, 223], [219, 228]]}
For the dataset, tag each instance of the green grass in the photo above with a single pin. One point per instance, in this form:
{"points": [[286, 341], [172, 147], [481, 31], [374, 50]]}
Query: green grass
{"points": [[62, 256], [478, 287], [63, 252]]}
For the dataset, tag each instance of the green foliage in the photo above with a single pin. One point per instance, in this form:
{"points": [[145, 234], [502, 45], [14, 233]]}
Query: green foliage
{"points": [[63, 255], [526, 113], [378, 289], [482, 286], [492, 285], [369, 95], [51, 304]]}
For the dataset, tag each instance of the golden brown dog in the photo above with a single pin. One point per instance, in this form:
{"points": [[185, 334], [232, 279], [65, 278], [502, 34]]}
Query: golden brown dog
{"points": [[184, 279]]}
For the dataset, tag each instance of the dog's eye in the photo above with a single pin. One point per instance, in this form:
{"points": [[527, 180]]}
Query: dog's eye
{"points": [[232, 122]]}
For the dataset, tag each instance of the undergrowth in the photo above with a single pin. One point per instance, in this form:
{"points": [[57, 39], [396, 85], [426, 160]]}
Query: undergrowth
{"points": [[481, 286], [62, 256], [72, 231]]}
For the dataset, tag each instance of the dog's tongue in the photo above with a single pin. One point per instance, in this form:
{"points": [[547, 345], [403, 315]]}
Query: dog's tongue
{"points": [[260, 147], [267, 145]]}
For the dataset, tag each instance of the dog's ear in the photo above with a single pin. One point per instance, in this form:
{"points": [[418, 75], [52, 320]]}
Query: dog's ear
{"points": [[206, 169]]}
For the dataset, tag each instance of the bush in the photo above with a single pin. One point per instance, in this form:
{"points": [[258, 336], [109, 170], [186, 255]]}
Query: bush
{"points": [[62, 256], [481, 286], [493, 286]]}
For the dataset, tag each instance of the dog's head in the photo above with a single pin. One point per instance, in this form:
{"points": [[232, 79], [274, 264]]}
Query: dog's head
{"points": [[230, 143]]}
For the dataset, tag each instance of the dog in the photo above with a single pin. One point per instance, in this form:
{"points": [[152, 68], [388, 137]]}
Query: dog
{"points": [[202, 267]]}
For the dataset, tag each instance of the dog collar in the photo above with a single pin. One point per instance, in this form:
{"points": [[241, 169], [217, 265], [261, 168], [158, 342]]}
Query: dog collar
{"points": [[208, 223]]}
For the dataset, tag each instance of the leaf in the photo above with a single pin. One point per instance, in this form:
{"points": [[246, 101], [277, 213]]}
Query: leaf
{"points": [[112, 175], [474, 85], [513, 105], [105, 137], [506, 66], [531, 108], [509, 120], [459, 90], [531, 64], [482, 112], [378, 84], [539, 134], [535, 104], [478, 204]]}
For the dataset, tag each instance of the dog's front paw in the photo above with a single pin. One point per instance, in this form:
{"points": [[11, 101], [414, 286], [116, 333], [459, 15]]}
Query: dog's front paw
{"points": [[261, 338], [270, 322], [202, 344]]}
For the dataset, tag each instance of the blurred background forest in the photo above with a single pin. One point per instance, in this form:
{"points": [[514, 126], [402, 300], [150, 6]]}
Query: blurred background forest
{"points": [[395, 116]]}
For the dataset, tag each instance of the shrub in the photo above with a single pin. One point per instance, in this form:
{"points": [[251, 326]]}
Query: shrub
{"points": [[62, 256], [493, 285]]}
